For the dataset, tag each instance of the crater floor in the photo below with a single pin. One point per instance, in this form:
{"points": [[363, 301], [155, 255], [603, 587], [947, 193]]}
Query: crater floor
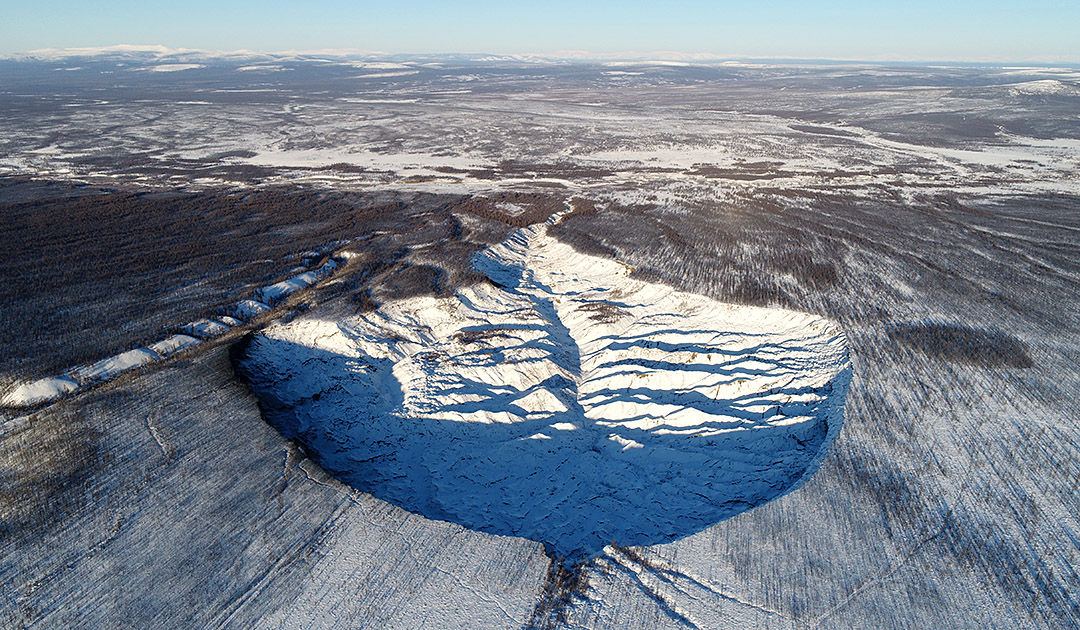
{"points": [[565, 401]]}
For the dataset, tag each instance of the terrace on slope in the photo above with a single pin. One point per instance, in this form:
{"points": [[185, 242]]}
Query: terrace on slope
{"points": [[564, 401]]}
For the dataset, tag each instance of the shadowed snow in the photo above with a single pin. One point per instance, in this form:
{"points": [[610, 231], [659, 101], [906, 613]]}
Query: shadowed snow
{"points": [[569, 404]]}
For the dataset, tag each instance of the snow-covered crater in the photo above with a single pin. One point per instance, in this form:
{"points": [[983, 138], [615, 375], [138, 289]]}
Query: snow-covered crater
{"points": [[566, 402]]}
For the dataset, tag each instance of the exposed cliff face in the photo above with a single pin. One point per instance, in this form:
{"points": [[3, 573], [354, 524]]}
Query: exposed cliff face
{"points": [[565, 401]]}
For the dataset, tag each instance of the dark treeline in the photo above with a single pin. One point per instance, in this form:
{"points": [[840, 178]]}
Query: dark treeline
{"points": [[89, 275]]}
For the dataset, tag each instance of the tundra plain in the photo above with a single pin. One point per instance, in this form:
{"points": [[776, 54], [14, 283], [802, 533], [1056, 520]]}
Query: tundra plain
{"points": [[510, 212]]}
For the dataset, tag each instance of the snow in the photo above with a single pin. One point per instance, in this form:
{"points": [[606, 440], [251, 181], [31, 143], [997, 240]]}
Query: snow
{"points": [[327, 268], [922, 509], [173, 344], [52, 388], [204, 328], [384, 75], [1059, 150], [247, 309], [378, 65], [381, 101], [511, 209], [276, 292], [48, 389], [175, 67], [64, 53], [262, 68], [39, 391], [566, 406], [437, 148], [111, 367], [1043, 87], [397, 162]]}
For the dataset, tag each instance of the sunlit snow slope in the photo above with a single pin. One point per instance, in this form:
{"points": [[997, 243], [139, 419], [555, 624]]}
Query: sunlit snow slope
{"points": [[565, 401]]}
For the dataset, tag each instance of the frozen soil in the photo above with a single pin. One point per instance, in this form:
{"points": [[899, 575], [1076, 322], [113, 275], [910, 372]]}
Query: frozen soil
{"points": [[563, 401]]}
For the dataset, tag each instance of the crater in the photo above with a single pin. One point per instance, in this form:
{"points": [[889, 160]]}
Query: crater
{"points": [[565, 402]]}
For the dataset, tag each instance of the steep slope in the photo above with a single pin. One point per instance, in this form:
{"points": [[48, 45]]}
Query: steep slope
{"points": [[563, 402]]}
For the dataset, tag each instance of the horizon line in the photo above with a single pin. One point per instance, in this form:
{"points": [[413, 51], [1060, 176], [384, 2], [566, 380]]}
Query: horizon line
{"points": [[583, 56]]}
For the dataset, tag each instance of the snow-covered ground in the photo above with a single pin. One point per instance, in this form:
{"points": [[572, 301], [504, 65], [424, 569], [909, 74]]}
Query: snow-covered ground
{"points": [[565, 402], [936, 194], [430, 128], [43, 390]]}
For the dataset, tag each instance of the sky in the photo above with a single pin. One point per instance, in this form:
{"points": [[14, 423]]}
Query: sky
{"points": [[900, 30]]}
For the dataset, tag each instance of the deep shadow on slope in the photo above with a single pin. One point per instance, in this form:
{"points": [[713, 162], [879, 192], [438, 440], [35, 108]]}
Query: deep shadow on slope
{"points": [[1000, 376], [569, 474], [575, 491]]}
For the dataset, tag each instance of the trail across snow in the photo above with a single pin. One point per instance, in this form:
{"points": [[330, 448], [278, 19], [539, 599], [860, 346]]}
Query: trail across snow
{"points": [[565, 401]]}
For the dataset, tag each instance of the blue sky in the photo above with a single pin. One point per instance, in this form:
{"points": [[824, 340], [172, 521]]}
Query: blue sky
{"points": [[963, 30]]}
